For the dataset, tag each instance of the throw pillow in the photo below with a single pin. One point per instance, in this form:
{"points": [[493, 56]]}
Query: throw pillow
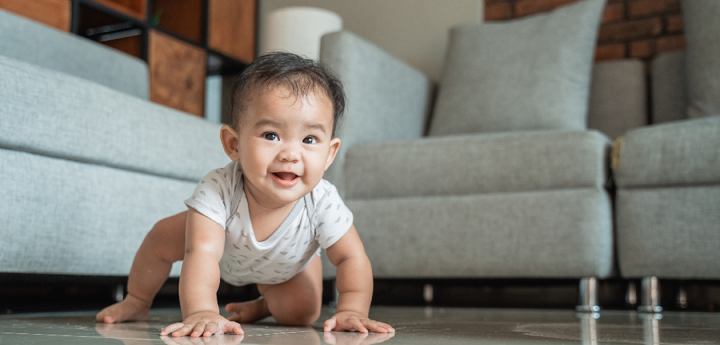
{"points": [[525, 74], [702, 57]]}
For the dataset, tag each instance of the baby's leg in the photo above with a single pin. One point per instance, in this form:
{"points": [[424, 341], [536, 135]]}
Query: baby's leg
{"points": [[163, 245], [296, 302]]}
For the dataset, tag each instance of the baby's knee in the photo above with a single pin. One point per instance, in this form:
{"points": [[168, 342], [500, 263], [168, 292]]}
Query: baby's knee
{"points": [[299, 314]]}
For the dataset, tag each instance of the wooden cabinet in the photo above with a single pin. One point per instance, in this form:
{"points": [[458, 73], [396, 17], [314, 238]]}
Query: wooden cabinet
{"points": [[183, 41]]}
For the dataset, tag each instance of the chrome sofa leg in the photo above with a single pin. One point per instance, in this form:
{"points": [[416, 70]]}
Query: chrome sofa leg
{"points": [[588, 295], [119, 293], [650, 296]]}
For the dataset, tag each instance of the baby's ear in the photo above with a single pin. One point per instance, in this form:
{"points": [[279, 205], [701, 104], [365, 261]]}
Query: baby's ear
{"points": [[334, 147], [229, 139]]}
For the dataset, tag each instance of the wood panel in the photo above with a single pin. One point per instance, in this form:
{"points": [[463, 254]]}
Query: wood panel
{"points": [[133, 8], [177, 73], [181, 17], [231, 28], [130, 45], [55, 13]]}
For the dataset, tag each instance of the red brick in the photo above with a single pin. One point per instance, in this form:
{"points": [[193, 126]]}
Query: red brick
{"points": [[610, 52], [613, 13], [674, 24], [630, 30], [670, 43], [647, 8], [643, 49], [527, 7], [498, 12]]}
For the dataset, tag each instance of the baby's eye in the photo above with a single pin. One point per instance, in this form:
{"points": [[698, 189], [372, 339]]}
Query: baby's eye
{"points": [[271, 136], [310, 140]]}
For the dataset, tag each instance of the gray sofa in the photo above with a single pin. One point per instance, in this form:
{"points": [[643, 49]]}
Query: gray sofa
{"points": [[512, 203], [88, 164]]}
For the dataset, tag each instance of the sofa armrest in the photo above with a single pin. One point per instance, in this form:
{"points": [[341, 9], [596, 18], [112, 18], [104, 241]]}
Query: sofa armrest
{"points": [[677, 153], [386, 99]]}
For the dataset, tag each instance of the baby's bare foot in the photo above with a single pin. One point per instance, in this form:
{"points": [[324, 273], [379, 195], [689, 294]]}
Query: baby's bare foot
{"points": [[246, 312], [129, 309]]}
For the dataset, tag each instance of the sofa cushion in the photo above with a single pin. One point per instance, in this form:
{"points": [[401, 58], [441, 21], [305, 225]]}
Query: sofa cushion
{"points": [[525, 74], [618, 97], [55, 114], [548, 234], [473, 164], [703, 49], [678, 153], [32, 42], [669, 87], [64, 217]]}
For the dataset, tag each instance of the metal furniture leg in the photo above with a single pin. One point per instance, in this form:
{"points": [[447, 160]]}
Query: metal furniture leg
{"points": [[650, 296], [588, 295]]}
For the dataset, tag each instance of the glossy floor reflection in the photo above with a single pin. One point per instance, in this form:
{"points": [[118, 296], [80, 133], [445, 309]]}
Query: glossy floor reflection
{"points": [[414, 326]]}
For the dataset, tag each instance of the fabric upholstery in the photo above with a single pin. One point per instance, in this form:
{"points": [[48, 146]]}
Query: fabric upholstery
{"points": [[618, 97], [525, 74], [669, 232], [669, 87], [678, 153], [386, 98], [64, 217], [701, 27], [32, 42], [472, 164], [54, 114], [548, 234]]}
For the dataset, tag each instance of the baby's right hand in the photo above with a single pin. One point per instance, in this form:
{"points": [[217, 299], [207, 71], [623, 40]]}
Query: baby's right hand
{"points": [[205, 323]]}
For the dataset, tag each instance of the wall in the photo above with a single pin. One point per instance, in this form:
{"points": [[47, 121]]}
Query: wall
{"points": [[630, 28], [416, 31]]}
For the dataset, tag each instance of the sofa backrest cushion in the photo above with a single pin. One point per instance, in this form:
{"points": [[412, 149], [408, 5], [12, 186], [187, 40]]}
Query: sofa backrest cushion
{"points": [[618, 97], [57, 115], [702, 36], [29, 41], [526, 74], [669, 87]]}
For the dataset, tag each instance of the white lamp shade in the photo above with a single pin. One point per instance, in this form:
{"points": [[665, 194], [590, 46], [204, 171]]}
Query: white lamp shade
{"points": [[298, 30]]}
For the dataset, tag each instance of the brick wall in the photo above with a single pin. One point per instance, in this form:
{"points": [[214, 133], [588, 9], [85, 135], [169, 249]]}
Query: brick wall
{"points": [[630, 28]]}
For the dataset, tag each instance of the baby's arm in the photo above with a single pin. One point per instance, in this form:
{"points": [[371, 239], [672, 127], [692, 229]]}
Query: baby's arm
{"points": [[199, 280], [355, 286]]}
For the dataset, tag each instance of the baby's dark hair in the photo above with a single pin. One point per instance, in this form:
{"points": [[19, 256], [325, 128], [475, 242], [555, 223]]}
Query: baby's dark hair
{"points": [[299, 75]]}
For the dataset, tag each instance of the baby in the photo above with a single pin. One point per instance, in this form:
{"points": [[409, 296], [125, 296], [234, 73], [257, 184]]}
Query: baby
{"points": [[263, 218]]}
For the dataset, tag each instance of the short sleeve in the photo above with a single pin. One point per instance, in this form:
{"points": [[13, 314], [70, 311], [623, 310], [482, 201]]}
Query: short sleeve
{"points": [[212, 196], [332, 219]]}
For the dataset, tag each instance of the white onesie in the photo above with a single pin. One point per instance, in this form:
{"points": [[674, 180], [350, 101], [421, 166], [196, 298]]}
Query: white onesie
{"points": [[318, 220]]}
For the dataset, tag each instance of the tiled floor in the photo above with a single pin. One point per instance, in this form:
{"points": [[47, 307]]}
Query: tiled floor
{"points": [[414, 325]]}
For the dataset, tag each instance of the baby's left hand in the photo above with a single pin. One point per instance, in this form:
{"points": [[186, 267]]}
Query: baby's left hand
{"points": [[351, 321]]}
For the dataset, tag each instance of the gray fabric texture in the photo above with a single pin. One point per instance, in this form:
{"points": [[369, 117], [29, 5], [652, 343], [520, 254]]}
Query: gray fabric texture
{"points": [[618, 97], [669, 232], [55, 114], [74, 218], [678, 153], [702, 60], [669, 88], [386, 98], [32, 42], [548, 234], [472, 164], [524, 74]]}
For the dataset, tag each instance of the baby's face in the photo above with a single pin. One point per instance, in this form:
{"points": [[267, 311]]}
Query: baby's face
{"points": [[285, 145]]}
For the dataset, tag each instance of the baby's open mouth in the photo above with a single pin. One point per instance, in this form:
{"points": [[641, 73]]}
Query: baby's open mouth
{"points": [[285, 176]]}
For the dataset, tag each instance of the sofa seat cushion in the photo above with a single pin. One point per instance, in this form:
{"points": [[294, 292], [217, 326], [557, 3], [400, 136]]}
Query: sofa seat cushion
{"points": [[671, 154], [65, 217], [548, 234], [44, 46], [478, 163], [54, 114], [526, 74]]}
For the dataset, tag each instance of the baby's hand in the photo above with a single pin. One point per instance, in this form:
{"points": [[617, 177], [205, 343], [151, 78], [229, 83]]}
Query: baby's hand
{"points": [[203, 323], [351, 321]]}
